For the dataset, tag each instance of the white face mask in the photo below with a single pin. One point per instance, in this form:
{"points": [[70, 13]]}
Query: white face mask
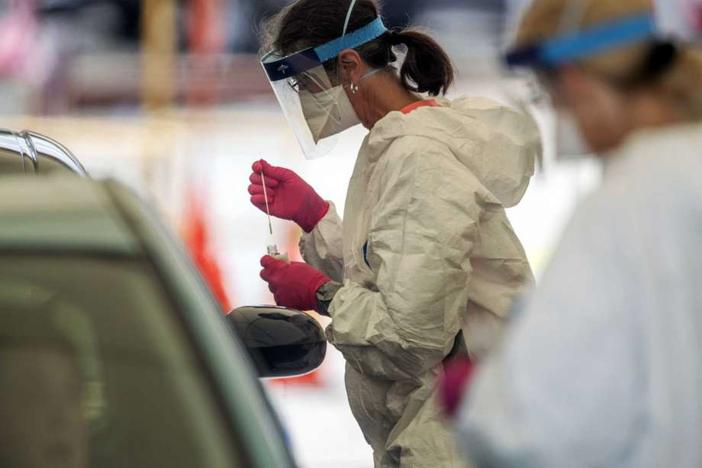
{"points": [[328, 112], [570, 143]]}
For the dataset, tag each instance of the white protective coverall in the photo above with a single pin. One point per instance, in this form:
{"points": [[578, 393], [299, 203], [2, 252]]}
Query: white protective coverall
{"points": [[426, 249], [604, 368]]}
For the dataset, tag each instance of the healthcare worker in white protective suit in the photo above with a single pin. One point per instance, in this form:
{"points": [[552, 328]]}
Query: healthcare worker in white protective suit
{"points": [[425, 249], [604, 366]]}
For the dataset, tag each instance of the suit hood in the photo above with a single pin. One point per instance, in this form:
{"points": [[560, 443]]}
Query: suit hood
{"points": [[496, 143]]}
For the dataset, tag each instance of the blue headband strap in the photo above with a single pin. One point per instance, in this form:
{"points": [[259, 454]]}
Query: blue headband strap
{"points": [[284, 68], [581, 44], [352, 40]]}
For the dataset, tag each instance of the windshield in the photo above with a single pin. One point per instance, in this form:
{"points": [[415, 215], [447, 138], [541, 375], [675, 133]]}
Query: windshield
{"points": [[95, 371]]}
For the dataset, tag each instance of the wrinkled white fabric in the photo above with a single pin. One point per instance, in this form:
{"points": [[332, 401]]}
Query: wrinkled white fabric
{"points": [[427, 250], [604, 367]]}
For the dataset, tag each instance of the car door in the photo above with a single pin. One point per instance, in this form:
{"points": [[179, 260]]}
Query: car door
{"points": [[112, 353], [12, 160]]}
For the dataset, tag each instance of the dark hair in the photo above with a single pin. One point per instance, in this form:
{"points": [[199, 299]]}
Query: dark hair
{"points": [[311, 23]]}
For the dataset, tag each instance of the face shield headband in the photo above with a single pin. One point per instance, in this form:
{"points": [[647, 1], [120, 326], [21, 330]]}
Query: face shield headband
{"points": [[278, 69], [571, 47]]}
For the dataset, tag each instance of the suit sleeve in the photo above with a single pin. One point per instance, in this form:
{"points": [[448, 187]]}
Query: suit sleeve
{"points": [[421, 233], [323, 248]]}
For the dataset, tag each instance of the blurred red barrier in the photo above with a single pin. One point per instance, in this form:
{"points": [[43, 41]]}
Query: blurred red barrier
{"points": [[197, 234]]}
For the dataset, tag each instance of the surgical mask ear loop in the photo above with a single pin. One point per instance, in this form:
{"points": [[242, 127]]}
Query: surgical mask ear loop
{"points": [[355, 87]]}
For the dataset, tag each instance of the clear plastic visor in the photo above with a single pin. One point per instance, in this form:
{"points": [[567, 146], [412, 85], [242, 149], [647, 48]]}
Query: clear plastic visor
{"points": [[311, 103], [312, 99]]}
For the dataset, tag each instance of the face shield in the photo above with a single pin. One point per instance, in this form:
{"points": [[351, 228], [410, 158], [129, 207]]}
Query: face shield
{"points": [[308, 90]]}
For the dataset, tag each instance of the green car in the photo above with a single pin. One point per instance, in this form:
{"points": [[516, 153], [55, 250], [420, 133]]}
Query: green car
{"points": [[113, 352]]}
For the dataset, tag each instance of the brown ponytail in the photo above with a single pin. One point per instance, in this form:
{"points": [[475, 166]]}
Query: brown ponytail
{"points": [[427, 67], [310, 23]]}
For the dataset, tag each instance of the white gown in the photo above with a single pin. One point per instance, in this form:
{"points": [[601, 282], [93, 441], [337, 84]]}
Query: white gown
{"points": [[604, 367]]}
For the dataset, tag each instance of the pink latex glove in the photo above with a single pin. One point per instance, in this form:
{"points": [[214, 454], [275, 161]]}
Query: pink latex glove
{"points": [[294, 285], [453, 384], [289, 197]]}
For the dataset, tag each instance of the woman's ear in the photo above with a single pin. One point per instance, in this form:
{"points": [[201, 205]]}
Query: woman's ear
{"points": [[351, 66]]}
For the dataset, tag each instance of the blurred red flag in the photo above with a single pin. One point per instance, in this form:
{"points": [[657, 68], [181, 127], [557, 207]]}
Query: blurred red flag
{"points": [[197, 235]]}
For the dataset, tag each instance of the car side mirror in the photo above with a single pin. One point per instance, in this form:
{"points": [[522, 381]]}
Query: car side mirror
{"points": [[281, 342]]}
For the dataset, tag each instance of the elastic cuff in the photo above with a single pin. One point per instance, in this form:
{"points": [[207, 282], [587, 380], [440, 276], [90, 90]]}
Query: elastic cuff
{"points": [[314, 287], [325, 296], [308, 226]]}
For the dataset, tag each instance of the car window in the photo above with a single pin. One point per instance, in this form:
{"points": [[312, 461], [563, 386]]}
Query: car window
{"points": [[10, 160], [96, 371], [10, 164], [47, 165]]}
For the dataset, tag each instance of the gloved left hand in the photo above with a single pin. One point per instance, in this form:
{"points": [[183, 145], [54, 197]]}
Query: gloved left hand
{"points": [[294, 285]]}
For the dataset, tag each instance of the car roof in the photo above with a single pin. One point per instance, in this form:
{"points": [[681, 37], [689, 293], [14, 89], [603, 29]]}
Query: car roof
{"points": [[62, 213], [28, 152]]}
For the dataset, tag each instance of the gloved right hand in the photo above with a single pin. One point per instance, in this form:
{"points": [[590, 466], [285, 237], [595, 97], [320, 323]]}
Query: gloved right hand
{"points": [[289, 197]]}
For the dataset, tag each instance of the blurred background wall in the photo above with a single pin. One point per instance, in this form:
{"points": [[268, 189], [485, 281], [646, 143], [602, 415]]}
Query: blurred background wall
{"points": [[168, 96]]}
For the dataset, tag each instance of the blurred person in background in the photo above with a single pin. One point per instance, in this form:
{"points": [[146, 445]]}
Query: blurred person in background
{"points": [[425, 248], [604, 367]]}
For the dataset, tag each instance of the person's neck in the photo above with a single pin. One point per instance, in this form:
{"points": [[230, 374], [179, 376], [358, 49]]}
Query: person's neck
{"points": [[385, 94]]}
